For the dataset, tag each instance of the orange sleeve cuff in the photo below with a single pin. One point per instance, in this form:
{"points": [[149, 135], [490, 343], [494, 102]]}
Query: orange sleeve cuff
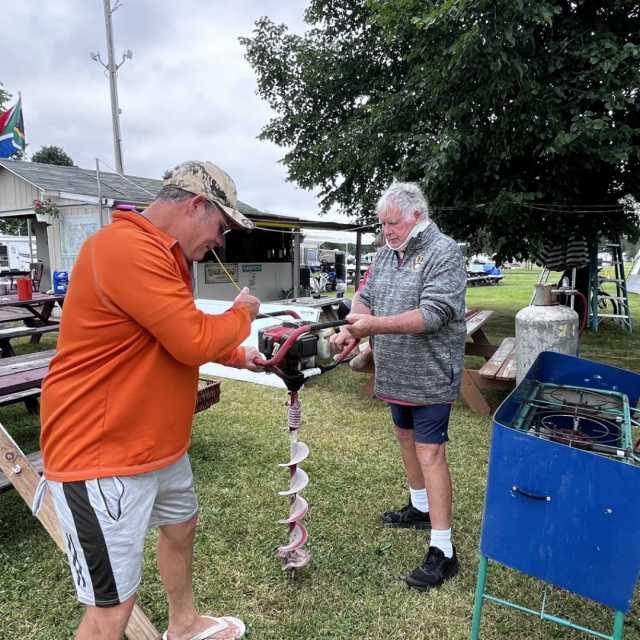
{"points": [[235, 358]]}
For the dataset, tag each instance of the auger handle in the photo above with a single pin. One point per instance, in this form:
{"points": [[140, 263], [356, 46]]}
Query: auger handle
{"points": [[294, 335], [275, 314], [282, 351]]}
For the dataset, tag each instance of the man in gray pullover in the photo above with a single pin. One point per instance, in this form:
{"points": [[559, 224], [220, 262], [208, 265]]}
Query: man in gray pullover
{"points": [[413, 303]]}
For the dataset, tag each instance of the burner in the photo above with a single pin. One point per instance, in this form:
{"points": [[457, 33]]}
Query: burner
{"points": [[587, 419], [586, 399], [579, 430]]}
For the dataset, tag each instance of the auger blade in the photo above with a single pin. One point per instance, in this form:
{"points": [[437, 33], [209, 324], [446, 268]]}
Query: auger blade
{"points": [[296, 559], [298, 482], [297, 538], [297, 511], [300, 452]]}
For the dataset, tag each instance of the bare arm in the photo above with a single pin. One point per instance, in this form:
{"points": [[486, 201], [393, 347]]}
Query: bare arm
{"points": [[357, 306], [408, 322]]}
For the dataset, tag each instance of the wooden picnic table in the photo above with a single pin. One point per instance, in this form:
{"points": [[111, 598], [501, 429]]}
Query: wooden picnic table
{"points": [[477, 344], [39, 307], [498, 372]]}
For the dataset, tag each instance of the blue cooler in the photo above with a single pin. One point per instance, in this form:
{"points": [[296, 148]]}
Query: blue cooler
{"points": [[60, 281]]}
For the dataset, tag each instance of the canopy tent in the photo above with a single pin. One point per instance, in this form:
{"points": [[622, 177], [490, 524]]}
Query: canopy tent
{"points": [[318, 236]]}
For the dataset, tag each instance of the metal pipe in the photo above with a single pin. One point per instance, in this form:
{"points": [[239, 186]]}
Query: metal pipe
{"points": [[112, 69], [550, 618], [30, 239], [99, 191], [358, 258]]}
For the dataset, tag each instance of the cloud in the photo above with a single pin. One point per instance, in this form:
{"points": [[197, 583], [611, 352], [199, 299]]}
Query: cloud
{"points": [[188, 92]]}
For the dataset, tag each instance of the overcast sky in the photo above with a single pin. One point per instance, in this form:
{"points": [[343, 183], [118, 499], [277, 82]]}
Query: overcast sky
{"points": [[187, 94]]}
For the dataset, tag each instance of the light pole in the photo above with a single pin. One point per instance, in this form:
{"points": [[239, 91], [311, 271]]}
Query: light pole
{"points": [[112, 72]]}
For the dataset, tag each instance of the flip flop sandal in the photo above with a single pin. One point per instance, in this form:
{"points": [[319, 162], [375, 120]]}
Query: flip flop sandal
{"points": [[219, 624]]}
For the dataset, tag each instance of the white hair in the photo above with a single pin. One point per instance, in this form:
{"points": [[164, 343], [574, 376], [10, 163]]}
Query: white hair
{"points": [[406, 196]]}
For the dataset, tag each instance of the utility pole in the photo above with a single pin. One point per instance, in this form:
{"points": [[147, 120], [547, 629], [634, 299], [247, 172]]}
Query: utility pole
{"points": [[111, 70]]}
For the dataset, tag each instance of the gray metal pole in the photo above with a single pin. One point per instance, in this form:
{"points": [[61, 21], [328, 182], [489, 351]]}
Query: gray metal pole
{"points": [[30, 239], [112, 69], [296, 263], [358, 257], [99, 191]]}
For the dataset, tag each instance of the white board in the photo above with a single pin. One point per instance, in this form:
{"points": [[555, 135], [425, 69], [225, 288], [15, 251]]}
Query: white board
{"points": [[268, 379]]}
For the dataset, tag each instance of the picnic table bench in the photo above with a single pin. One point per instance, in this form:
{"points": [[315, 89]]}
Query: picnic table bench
{"points": [[8, 333], [497, 373]]}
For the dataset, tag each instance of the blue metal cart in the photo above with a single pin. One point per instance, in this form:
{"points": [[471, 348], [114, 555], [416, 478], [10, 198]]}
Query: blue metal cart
{"points": [[563, 486]]}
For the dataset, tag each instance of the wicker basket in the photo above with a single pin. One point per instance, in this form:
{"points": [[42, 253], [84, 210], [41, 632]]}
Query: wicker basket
{"points": [[208, 394]]}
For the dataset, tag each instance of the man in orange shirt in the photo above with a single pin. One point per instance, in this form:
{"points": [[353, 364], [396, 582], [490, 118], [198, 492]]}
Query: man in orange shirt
{"points": [[118, 402]]}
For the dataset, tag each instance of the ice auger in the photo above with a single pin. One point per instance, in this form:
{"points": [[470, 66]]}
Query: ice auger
{"points": [[295, 351]]}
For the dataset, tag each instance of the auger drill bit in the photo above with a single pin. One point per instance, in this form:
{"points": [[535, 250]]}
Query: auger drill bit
{"points": [[293, 555]]}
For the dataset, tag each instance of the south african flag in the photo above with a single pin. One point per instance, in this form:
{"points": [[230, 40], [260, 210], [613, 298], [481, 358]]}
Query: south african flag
{"points": [[11, 131]]}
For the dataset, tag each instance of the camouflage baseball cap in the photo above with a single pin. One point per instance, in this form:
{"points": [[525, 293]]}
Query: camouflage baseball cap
{"points": [[207, 180]]}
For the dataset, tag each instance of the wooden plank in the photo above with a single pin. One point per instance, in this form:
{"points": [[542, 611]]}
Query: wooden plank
{"points": [[39, 359], [493, 365], [22, 380], [19, 396], [477, 320], [11, 300], [471, 395], [508, 370], [479, 349], [13, 314], [24, 477], [35, 459], [20, 332]]}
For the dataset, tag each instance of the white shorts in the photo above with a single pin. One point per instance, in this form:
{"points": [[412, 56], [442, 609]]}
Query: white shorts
{"points": [[104, 523]]}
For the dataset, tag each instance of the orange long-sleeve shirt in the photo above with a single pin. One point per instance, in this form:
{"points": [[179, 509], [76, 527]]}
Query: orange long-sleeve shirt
{"points": [[121, 389]]}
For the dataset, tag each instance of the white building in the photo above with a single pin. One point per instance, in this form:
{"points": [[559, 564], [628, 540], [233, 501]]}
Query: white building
{"points": [[267, 260]]}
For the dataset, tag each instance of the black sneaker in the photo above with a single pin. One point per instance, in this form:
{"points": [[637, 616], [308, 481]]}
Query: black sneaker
{"points": [[406, 518], [435, 569]]}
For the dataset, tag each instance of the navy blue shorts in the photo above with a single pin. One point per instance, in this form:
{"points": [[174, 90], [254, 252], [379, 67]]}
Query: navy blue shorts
{"points": [[430, 422]]}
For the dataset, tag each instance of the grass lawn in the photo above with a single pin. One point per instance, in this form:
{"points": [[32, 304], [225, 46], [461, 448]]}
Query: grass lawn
{"points": [[353, 588]]}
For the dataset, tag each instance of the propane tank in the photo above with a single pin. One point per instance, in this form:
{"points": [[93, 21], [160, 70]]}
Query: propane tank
{"points": [[544, 326]]}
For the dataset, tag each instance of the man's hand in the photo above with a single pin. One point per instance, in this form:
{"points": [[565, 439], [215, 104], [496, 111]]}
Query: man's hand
{"points": [[245, 299], [250, 354], [343, 341], [361, 325]]}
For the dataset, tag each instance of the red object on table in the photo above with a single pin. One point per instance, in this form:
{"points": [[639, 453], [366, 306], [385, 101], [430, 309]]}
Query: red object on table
{"points": [[25, 288]]}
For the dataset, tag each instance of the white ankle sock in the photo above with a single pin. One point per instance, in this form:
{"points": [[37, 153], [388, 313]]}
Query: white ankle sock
{"points": [[419, 499], [441, 538]]}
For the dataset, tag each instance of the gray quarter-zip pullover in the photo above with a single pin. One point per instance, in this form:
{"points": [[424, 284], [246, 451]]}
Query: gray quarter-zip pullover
{"points": [[430, 276]]}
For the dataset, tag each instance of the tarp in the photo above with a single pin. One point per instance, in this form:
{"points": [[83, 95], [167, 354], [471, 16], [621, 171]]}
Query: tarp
{"points": [[633, 280], [318, 236]]}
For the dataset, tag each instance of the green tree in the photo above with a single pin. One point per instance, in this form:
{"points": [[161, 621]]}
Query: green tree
{"points": [[52, 155], [4, 98], [521, 119]]}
